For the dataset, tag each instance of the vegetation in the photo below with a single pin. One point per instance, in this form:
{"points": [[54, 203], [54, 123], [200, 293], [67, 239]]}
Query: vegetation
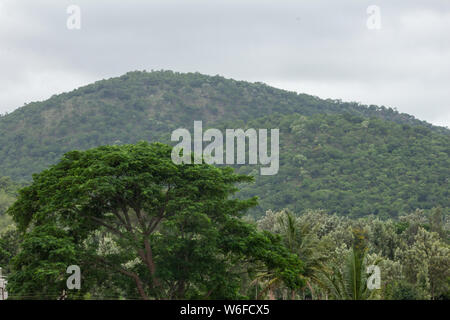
{"points": [[7, 193], [344, 158], [141, 227], [412, 252], [358, 186], [7, 196], [128, 215], [353, 166]]}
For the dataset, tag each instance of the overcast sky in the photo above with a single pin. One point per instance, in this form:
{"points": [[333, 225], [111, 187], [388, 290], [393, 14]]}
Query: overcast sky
{"points": [[319, 47]]}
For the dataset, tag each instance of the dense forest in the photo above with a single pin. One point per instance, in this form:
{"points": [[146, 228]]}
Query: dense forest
{"points": [[149, 106], [353, 166], [344, 158], [141, 227], [358, 186]]}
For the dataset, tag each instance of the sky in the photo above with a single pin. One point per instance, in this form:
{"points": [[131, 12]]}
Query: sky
{"points": [[391, 53]]}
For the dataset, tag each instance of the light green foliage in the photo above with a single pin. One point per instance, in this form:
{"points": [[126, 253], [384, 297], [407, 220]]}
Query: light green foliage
{"points": [[413, 262], [7, 193], [7, 196], [348, 281], [383, 237], [427, 263], [300, 237]]}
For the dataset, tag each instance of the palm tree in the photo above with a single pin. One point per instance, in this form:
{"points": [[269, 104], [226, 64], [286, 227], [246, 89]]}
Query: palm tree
{"points": [[350, 282], [302, 240], [270, 282]]}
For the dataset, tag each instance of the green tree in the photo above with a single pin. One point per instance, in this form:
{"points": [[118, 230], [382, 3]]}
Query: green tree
{"points": [[163, 230], [9, 246], [349, 282], [40, 265], [427, 264]]}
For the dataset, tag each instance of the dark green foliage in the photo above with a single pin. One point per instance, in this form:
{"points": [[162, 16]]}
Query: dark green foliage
{"points": [[402, 290], [368, 160], [149, 106], [9, 245], [344, 158], [40, 266], [353, 166], [133, 220]]}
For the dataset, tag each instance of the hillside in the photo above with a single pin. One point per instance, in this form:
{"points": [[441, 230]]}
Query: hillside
{"points": [[341, 157], [354, 166], [147, 106]]}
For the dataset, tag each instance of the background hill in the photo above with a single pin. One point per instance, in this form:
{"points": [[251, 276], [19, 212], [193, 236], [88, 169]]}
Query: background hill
{"points": [[354, 166], [341, 157]]}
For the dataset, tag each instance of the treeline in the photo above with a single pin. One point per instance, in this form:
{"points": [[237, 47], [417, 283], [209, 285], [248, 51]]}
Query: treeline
{"points": [[139, 226], [353, 166], [412, 253]]}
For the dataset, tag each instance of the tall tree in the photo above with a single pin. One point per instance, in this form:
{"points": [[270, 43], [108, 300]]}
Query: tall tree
{"points": [[427, 264], [349, 282], [173, 231]]}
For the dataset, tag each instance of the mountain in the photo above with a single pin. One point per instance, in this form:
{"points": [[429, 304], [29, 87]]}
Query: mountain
{"points": [[342, 157], [354, 166]]}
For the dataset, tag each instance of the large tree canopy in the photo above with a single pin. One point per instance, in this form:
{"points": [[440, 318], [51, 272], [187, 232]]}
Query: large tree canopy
{"points": [[140, 226]]}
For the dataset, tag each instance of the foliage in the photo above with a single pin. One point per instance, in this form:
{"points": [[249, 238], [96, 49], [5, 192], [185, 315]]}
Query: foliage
{"points": [[171, 230], [413, 262], [341, 157], [141, 227], [7, 193], [353, 167]]}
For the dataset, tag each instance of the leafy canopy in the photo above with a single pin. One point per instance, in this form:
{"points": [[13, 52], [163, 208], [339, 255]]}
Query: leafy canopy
{"points": [[135, 222]]}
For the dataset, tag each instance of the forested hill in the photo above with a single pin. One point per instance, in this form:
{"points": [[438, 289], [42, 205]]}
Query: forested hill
{"points": [[334, 155], [148, 106], [354, 166]]}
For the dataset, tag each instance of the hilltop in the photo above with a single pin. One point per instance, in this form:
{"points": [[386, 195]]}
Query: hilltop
{"points": [[343, 157]]}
